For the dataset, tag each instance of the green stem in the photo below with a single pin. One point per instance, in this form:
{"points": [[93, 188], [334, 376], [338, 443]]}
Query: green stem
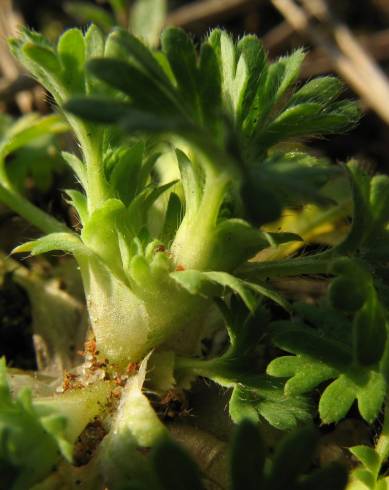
{"points": [[31, 213], [195, 366], [90, 139], [97, 188]]}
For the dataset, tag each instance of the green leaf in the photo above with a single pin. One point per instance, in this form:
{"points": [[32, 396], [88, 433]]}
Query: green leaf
{"points": [[336, 400], [290, 70], [371, 396], [144, 57], [269, 402], [67, 242], [98, 108], [368, 457], [136, 120], [77, 166], [323, 352], [71, 54], [293, 121], [225, 254], [44, 64], [79, 201], [274, 81], [181, 54], [299, 340], [126, 172], [322, 89], [94, 48], [145, 92], [173, 217], [191, 181], [304, 373], [100, 232], [210, 284], [242, 68], [232, 83], [140, 206], [247, 457], [210, 86], [252, 62]]}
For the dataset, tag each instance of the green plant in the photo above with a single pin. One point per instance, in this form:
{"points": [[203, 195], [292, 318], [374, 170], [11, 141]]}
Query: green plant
{"points": [[184, 159]]}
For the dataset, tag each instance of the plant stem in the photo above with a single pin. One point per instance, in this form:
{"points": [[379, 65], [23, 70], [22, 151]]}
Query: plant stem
{"points": [[90, 139], [195, 366], [31, 213], [97, 189]]}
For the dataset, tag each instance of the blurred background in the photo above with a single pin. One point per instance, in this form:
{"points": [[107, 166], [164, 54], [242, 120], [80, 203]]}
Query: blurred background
{"points": [[348, 37]]}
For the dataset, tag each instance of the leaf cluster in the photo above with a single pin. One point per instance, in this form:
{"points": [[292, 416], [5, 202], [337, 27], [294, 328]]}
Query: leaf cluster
{"points": [[343, 340], [229, 102]]}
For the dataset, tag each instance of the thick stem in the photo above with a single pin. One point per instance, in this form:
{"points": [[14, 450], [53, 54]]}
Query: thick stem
{"points": [[125, 326]]}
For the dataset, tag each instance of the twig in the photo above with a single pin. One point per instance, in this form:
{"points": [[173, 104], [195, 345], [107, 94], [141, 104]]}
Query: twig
{"points": [[376, 44], [207, 11], [373, 92], [351, 48]]}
